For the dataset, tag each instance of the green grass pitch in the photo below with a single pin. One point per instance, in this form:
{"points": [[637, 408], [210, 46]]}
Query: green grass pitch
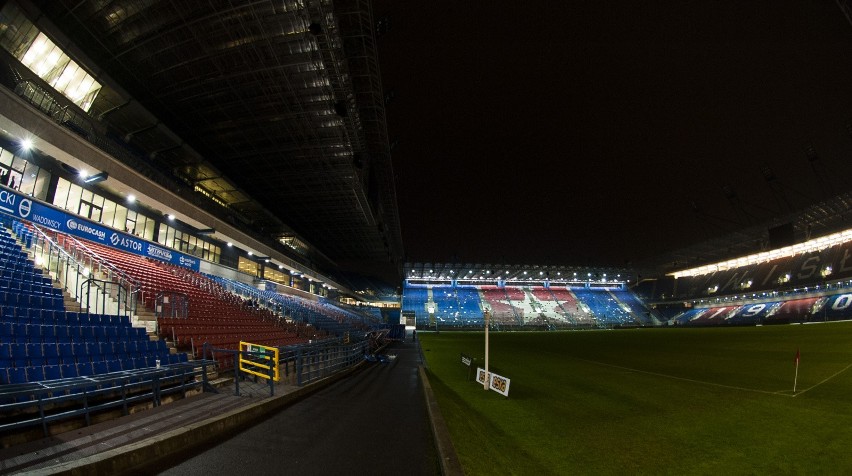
{"points": [[651, 401]]}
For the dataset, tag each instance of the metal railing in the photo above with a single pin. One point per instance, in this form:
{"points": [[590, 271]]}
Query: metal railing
{"points": [[41, 403], [76, 269]]}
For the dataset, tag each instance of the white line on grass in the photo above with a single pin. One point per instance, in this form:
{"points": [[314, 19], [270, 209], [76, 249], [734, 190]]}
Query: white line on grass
{"points": [[702, 382], [844, 369]]}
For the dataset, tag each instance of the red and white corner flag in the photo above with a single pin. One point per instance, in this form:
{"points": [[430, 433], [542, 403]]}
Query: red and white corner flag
{"points": [[798, 355]]}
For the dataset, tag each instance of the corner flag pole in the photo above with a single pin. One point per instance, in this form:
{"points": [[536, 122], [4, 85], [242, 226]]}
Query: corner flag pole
{"points": [[796, 378], [485, 383]]}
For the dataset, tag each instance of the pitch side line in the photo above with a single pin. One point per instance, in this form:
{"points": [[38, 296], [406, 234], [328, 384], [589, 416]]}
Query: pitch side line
{"points": [[844, 369], [684, 379]]}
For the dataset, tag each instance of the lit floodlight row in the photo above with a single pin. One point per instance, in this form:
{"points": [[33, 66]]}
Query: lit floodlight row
{"points": [[809, 246]]}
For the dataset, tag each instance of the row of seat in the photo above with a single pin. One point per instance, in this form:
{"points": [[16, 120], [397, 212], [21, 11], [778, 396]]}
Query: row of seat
{"points": [[36, 350], [75, 333], [28, 315], [38, 373]]}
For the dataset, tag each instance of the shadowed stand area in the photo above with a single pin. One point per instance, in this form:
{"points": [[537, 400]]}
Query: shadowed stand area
{"points": [[372, 420]]}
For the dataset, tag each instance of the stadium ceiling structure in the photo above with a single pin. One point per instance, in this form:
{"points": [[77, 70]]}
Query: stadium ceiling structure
{"points": [[828, 216], [272, 109]]}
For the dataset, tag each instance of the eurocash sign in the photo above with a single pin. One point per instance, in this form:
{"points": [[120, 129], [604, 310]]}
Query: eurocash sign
{"points": [[25, 208], [498, 383]]}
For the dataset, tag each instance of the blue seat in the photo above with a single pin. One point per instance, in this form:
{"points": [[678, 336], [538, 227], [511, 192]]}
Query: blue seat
{"points": [[6, 329], [19, 329], [132, 347], [19, 351], [85, 369], [18, 375], [99, 367], [61, 330], [75, 333], [52, 372], [174, 359], [72, 318], [100, 334], [4, 376], [69, 371], [129, 364], [48, 331], [88, 333], [79, 349], [49, 349], [106, 348], [183, 357], [66, 352], [114, 365], [93, 349], [5, 351], [34, 351], [35, 374]]}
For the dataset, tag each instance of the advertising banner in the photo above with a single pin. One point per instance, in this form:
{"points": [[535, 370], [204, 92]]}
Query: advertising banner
{"points": [[497, 383], [25, 208]]}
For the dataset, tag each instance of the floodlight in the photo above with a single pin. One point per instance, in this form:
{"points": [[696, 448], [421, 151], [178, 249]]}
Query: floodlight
{"points": [[99, 177]]}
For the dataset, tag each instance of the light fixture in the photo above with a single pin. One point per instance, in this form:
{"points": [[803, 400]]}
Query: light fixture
{"points": [[230, 244], [131, 198], [170, 217], [98, 177], [26, 144]]}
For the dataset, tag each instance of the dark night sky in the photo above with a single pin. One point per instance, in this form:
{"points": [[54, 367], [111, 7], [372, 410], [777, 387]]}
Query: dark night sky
{"points": [[578, 132]]}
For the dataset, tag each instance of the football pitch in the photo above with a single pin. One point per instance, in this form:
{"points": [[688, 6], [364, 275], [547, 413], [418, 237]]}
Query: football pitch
{"points": [[651, 401]]}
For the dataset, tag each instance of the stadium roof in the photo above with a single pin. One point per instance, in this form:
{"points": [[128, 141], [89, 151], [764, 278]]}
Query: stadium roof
{"points": [[273, 109]]}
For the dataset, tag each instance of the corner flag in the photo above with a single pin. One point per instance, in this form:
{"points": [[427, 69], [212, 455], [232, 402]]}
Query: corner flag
{"points": [[796, 377]]}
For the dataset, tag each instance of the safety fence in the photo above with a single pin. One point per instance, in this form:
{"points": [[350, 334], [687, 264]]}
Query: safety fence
{"points": [[294, 365], [51, 401]]}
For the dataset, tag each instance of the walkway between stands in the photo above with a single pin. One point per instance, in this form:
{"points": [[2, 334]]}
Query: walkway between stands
{"points": [[373, 421]]}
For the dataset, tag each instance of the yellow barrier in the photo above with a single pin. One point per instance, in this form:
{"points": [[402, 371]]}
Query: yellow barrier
{"points": [[249, 364]]}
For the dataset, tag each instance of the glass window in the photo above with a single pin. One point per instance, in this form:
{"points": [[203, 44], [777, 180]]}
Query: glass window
{"points": [[73, 202], [120, 220], [60, 199], [248, 266], [51, 64], [108, 214], [42, 182], [6, 157]]}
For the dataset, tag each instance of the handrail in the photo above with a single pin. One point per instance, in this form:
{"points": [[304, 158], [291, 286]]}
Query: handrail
{"points": [[87, 262]]}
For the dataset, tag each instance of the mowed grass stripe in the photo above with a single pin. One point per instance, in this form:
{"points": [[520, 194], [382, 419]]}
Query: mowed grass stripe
{"points": [[612, 402]]}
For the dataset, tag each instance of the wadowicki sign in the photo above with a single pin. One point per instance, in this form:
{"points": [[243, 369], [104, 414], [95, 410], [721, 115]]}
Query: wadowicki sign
{"points": [[25, 208]]}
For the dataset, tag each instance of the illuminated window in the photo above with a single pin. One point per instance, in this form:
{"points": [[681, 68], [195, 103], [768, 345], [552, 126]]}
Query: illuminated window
{"points": [[52, 65]]}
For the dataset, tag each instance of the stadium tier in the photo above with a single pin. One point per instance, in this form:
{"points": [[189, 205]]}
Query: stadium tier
{"points": [[524, 306], [835, 307], [41, 340], [802, 270]]}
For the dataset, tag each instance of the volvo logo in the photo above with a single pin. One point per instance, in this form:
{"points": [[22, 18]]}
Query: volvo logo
{"points": [[25, 207]]}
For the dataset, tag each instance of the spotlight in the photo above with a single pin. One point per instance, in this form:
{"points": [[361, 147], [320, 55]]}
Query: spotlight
{"points": [[99, 177]]}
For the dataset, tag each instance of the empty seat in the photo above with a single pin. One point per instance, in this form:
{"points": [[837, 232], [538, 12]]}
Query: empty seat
{"points": [[69, 371], [52, 372]]}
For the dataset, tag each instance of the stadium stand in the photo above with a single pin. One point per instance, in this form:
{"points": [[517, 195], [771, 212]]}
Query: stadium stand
{"points": [[531, 307], [41, 340], [832, 307], [215, 315]]}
